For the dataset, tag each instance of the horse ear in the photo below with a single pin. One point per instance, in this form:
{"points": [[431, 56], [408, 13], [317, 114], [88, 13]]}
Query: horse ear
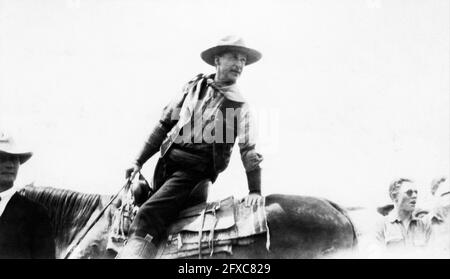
{"points": [[118, 202], [141, 190], [143, 180]]}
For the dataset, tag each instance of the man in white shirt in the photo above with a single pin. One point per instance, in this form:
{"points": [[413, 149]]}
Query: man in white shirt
{"points": [[400, 230]]}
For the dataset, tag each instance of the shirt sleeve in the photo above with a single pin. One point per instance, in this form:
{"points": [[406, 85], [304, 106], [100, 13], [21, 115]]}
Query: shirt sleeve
{"points": [[169, 118], [247, 140]]}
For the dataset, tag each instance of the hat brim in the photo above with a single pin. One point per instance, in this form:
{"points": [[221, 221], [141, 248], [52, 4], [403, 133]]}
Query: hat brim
{"points": [[23, 156], [209, 54]]}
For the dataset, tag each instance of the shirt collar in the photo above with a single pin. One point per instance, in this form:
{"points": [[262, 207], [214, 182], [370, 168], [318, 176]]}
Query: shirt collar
{"points": [[393, 217], [5, 197], [8, 193], [230, 92]]}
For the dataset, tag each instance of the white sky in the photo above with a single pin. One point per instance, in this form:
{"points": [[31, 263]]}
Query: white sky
{"points": [[351, 94]]}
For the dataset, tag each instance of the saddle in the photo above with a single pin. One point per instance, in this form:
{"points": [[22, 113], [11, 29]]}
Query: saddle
{"points": [[212, 228], [130, 202], [201, 229]]}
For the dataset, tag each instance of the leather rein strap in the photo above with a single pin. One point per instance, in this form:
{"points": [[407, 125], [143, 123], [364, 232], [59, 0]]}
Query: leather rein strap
{"points": [[214, 208]]}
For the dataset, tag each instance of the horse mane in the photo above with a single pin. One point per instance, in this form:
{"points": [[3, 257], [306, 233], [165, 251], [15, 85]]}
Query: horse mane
{"points": [[69, 211]]}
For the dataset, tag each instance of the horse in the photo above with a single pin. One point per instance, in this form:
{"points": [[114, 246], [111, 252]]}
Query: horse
{"points": [[298, 226], [70, 214]]}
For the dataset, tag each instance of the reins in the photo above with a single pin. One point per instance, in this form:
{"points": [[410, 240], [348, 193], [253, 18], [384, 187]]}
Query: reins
{"points": [[73, 246]]}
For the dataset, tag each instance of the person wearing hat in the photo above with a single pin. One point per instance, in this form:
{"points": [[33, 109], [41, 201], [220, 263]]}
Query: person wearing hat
{"points": [[196, 135], [25, 228]]}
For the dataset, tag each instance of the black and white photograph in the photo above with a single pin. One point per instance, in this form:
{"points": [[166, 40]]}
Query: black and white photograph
{"points": [[224, 129]]}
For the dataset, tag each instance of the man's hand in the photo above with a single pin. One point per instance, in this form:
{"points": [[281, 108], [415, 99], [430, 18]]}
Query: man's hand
{"points": [[132, 171], [251, 199]]}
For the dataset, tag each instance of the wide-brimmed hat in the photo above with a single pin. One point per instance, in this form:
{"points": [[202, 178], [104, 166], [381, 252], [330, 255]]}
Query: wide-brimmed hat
{"points": [[7, 145], [230, 43]]}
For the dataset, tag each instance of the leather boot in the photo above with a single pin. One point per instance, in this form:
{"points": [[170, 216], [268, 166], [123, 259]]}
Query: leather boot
{"points": [[138, 247]]}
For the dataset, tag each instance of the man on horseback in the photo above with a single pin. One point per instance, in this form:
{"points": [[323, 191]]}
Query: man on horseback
{"points": [[196, 134], [25, 228]]}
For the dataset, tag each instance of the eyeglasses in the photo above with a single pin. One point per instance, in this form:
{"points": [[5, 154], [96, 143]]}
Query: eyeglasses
{"points": [[409, 193]]}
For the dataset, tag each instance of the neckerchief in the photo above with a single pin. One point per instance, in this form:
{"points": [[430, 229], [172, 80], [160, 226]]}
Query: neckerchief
{"points": [[230, 92]]}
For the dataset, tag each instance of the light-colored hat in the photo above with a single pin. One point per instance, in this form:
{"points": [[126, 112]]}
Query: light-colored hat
{"points": [[230, 43], [7, 145]]}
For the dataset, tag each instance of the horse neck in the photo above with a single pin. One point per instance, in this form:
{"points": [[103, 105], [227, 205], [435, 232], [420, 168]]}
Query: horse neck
{"points": [[69, 210]]}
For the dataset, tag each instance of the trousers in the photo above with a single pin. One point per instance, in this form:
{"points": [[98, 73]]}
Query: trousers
{"points": [[163, 207]]}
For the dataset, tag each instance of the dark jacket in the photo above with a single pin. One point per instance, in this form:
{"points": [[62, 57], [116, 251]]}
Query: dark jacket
{"points": [[25, 230]]}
